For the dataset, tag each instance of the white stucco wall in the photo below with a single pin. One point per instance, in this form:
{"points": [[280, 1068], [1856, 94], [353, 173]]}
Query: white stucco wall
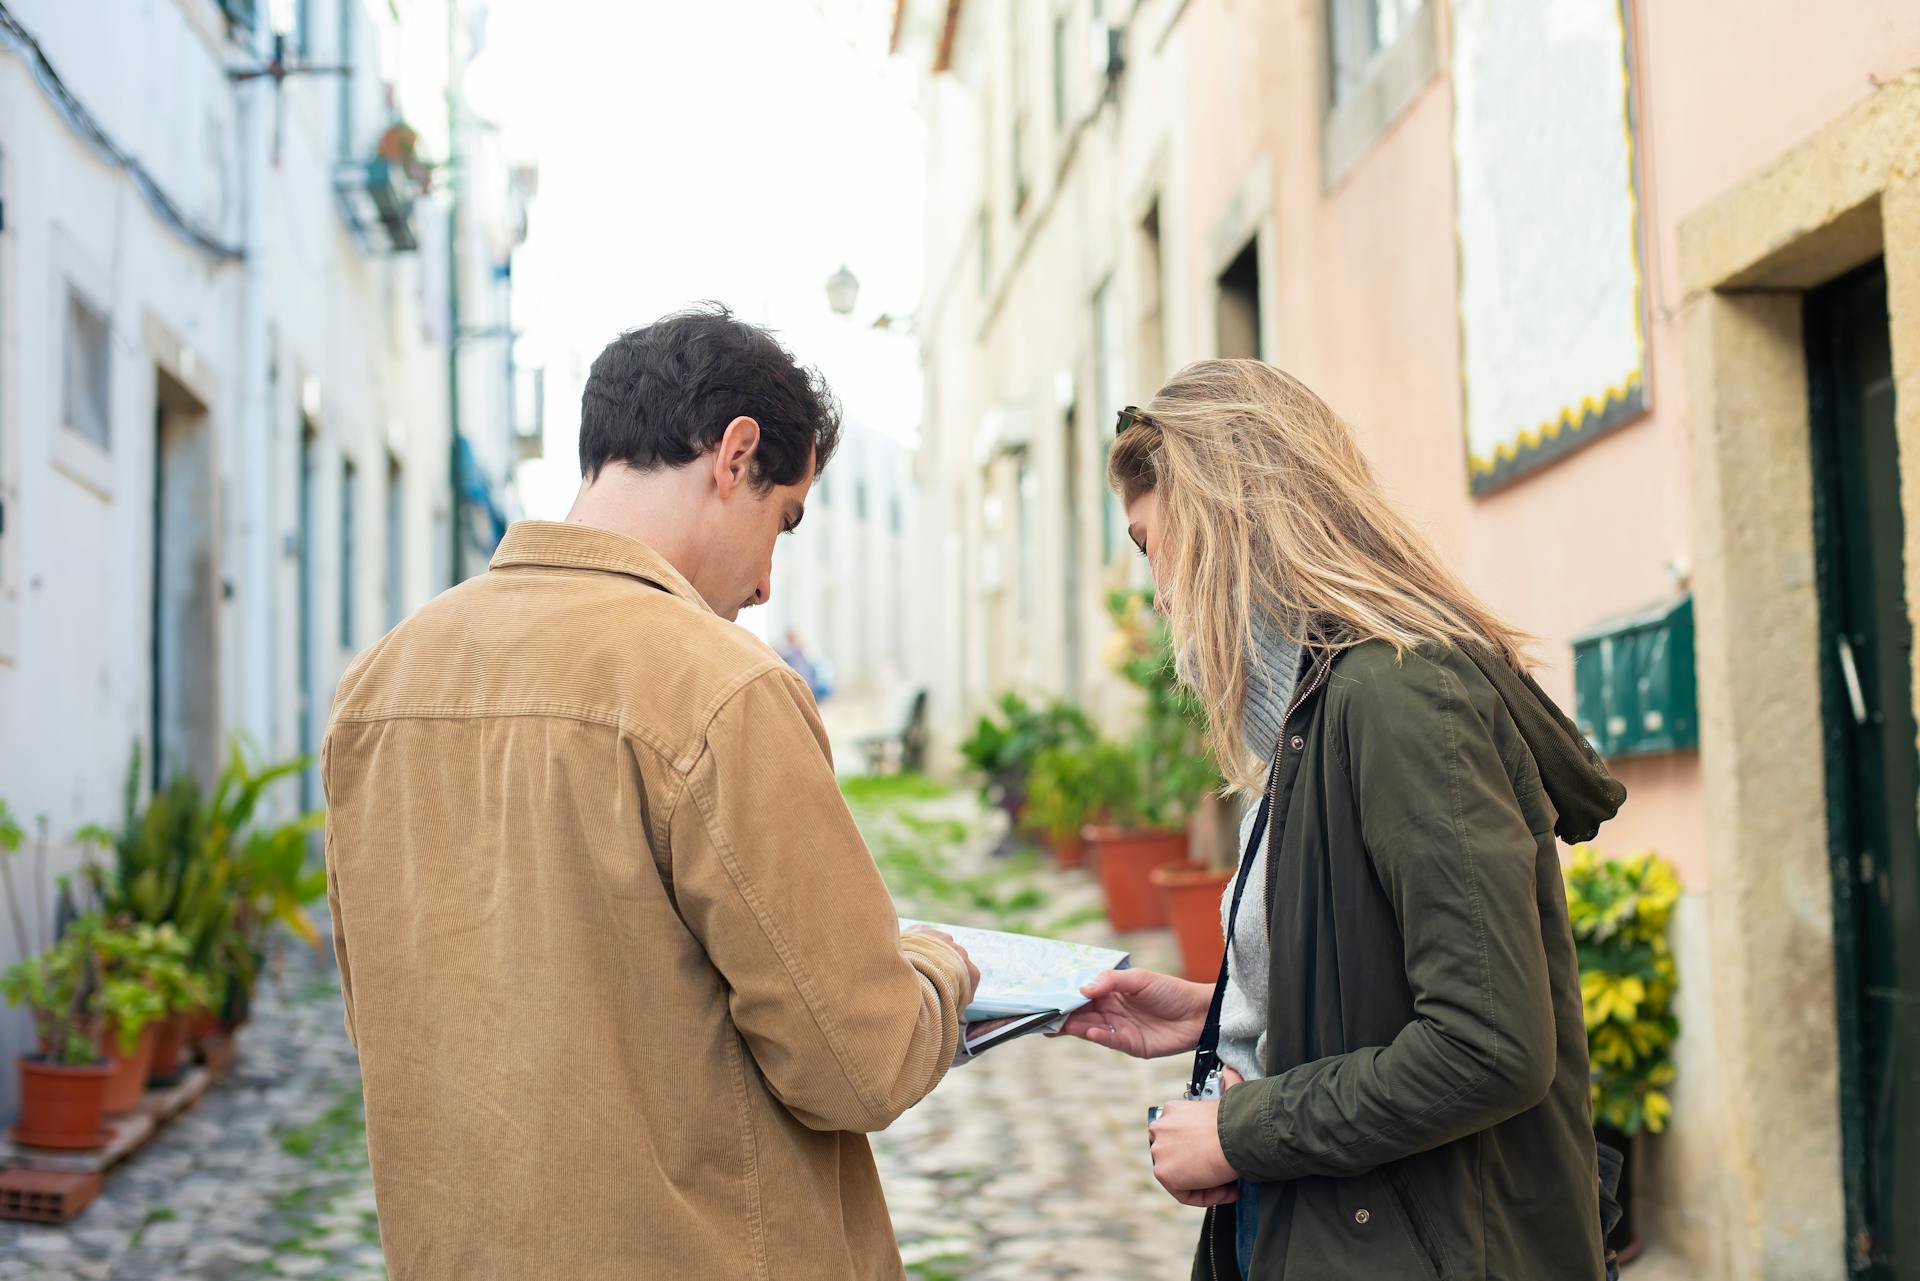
{"points": [[310, 326]]}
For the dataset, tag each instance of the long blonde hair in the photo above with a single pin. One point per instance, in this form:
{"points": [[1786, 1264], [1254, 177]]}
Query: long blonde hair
{"points": [[1267, 502]]}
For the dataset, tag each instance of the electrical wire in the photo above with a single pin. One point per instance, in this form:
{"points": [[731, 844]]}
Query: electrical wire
{"points": [[81, 121]]}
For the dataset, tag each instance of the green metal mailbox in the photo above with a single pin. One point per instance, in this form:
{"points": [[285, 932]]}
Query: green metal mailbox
{"points": [[1634, 690]]}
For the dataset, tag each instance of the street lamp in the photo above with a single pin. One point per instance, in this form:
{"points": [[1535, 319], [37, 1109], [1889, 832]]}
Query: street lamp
{"points": [[843, 289]]}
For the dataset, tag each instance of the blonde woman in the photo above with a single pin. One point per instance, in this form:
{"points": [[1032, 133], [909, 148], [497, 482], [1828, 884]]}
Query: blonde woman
{"points": [[1398, 1025]]}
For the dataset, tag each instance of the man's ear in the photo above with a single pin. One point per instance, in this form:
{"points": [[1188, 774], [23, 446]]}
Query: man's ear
{"points": [[733, 458]]}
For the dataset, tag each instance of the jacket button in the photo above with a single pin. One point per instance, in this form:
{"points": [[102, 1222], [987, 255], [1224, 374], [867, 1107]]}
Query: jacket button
{"points": [[1296, 743], [1361, 1217]]}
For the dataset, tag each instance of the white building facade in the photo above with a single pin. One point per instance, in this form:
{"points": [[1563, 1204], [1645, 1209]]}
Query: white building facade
{"points": [[844, 585], [225, 458]]}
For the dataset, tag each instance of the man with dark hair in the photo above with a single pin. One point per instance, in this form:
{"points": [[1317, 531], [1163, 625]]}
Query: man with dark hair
{"points": [[626, 985]]}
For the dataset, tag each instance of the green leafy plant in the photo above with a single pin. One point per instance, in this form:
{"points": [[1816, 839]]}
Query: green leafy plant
{"points": [[1174, 772], [57, 986], [1061, 792], [159, 956], [1620, 909], [144, 977], [200, 864], [1003, 749], [10, 838]]}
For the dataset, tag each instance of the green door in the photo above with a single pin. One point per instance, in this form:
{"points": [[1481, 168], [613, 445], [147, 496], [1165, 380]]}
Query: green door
{"points": [[1873, 770]]}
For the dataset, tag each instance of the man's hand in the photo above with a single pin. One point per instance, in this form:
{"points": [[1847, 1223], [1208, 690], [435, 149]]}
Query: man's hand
{"points": [[1141, 1013], [1185, 1142], [973, 971]]}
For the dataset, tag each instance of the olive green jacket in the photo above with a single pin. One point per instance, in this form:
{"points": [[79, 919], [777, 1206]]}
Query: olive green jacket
{"points": [[1426, 1112]]}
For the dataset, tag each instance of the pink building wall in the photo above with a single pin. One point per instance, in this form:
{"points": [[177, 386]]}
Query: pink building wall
{"points": [[1366, 312]]}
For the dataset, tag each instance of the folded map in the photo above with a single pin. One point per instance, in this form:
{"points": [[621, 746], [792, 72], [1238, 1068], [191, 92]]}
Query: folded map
{"points": [[1027, 984]]}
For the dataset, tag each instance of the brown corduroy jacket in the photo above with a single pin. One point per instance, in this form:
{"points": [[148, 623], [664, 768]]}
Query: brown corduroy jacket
{"points": [[626, 985]]}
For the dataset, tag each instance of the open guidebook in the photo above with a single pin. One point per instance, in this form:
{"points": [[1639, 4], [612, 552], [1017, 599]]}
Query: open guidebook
{"points": [[1027, 984]]}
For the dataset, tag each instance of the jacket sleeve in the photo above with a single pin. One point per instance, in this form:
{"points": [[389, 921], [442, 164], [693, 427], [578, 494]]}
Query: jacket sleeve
{"points": [[850, 1022], [333, 899], [1456, 857]]}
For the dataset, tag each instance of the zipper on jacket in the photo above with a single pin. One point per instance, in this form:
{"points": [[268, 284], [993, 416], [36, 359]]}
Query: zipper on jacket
{"points": [[1213, 1262], [1320, 673]]}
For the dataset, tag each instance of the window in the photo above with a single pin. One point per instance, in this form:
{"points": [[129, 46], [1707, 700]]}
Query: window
{"points": [[860, 498], [1237, 316], [396, 543], [303, 27], [1380, 55], [88, 365], [1357, 30], [895, 522], [1026, 500], [1017, 85], [349, 552], [1152, 266], [1109, 389]]}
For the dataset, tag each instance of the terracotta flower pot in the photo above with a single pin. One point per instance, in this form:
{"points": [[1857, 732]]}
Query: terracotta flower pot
{"points": [[1192, 895], [128, 1082], [202, 1027], [60, 1106], [169, 1050], [1069, 851], [1125, 860]]}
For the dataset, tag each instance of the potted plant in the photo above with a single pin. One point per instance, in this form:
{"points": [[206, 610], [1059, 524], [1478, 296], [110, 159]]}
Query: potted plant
{"points": [[399, 145], [1135, 837], [1191, 892], [1151, 789], [1003, 750], [62, 1083], [62, 1086], [1620, 909], [131, 1010], [200, 864], [275, 880], [203, 1025], [1061, 800], [184, 995]]}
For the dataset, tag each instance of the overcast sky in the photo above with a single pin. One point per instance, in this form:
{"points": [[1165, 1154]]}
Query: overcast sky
{"points": [[688, 149]]}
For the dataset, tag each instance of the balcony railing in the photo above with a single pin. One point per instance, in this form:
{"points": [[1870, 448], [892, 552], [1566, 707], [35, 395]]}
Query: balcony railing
{"points": [[239, 13], [376, 198]]}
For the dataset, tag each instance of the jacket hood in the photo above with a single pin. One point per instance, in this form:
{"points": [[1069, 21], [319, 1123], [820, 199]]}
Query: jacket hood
{"points": [[1583, 793]]}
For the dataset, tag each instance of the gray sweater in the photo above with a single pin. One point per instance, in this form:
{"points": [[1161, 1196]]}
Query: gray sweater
{"points": [[1243, 1014]]}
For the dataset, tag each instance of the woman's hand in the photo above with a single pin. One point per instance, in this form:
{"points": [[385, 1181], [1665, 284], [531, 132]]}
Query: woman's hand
{"points": [[1185, 1142], [1202, 1198], [1142, 1013]]}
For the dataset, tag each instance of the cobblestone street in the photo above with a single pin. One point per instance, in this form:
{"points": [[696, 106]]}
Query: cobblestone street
{"points": [[1029, 1163], [267, 1177]]}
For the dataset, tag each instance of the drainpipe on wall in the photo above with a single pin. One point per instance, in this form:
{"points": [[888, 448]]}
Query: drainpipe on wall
{"points": [[254, 435], [346, 80]]}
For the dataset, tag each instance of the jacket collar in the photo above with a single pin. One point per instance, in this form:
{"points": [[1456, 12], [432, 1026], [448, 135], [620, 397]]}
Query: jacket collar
{"points": [[545, 544]]}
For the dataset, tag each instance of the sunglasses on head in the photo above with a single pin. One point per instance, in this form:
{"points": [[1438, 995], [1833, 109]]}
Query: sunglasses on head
{"points": [[1131, 415]]}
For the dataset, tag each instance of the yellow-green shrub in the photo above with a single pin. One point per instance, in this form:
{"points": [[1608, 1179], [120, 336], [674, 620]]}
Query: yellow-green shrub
{"points": [[1620, 909]]}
